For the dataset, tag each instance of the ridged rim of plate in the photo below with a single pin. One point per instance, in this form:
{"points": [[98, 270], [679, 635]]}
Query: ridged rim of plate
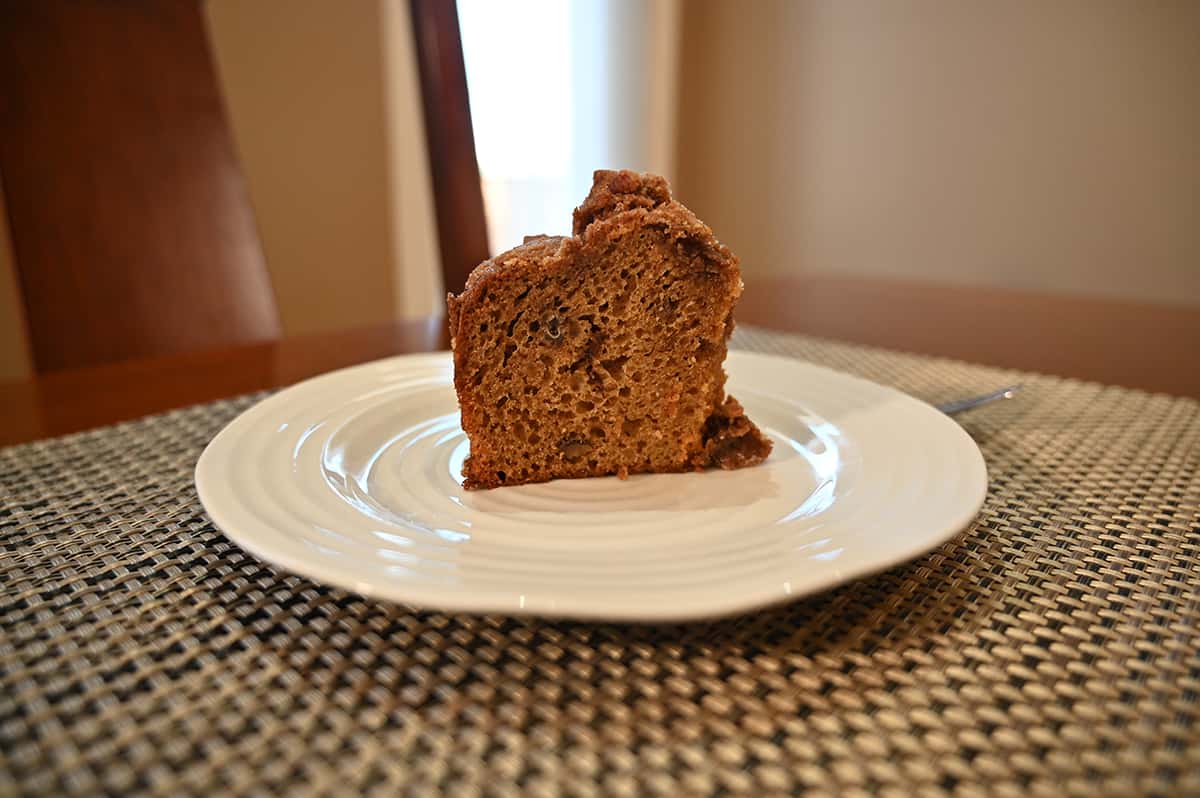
{"points": [[349, 479]]}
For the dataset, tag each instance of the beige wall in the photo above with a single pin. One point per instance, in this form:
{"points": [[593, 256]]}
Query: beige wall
{"points": [[324, 108], [1044, 144]]}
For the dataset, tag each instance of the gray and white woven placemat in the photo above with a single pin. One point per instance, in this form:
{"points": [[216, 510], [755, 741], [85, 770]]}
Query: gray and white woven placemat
{"points": [[1052, 649]]}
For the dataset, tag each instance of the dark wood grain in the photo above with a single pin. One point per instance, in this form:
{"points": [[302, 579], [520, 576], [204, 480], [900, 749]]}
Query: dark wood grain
{"points": [[1155, 347], [458, 196], [132, 230], [78, 399]]}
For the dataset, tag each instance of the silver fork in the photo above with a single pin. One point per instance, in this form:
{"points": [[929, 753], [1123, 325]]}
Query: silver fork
{"points": [[962, 405]]}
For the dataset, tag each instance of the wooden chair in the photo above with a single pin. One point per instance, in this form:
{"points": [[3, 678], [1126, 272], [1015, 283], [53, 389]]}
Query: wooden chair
{"points": [[457, 194], [132, 229]]}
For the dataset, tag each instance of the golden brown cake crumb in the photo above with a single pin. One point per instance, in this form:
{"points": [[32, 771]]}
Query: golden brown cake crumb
{"points": [[601, 353]]}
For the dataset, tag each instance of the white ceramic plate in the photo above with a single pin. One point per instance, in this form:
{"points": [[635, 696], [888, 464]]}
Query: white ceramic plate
{"points": [[352, 479]]}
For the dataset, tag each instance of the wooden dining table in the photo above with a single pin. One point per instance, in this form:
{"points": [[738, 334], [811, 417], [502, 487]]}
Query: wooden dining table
{"points": [[1154, 347], [1051, 647]]}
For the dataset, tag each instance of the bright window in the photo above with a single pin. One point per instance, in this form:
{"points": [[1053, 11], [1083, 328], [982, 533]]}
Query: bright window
{"points": [[536, 73]]}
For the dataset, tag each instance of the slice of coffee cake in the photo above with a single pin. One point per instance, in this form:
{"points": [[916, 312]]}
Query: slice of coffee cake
{"points": [[602, 353]]}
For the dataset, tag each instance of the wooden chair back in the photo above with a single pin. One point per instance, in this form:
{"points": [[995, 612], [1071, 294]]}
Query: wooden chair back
{"points": [[458, 195], [132, 229], [131, 226]]}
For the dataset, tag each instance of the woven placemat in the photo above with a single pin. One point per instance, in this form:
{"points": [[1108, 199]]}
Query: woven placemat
{"points": [[1052, 649]]}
